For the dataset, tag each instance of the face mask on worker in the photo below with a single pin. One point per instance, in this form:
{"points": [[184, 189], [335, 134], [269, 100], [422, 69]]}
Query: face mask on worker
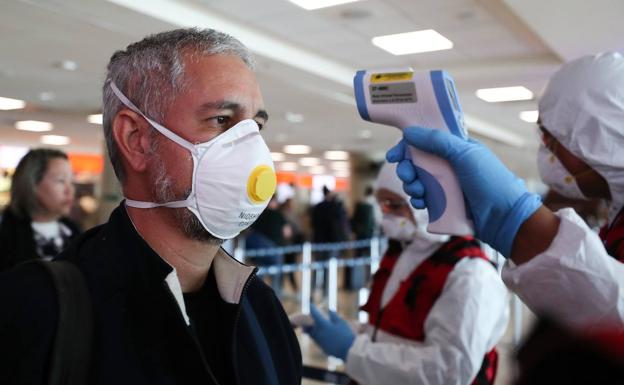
{"points": [[233, 176], [398, 228], [556, 176]]}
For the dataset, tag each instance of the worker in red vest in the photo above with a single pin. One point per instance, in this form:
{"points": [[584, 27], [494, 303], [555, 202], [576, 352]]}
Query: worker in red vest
{"points": [[437, 306]]}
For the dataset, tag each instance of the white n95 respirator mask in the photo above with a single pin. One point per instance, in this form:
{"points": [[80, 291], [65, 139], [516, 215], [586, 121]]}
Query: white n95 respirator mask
{"points": [[233, 176], [556, 176], [398, 228]]}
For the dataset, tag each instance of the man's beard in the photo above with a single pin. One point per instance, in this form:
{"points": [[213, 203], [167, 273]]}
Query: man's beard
{"points": [[163, 191]]}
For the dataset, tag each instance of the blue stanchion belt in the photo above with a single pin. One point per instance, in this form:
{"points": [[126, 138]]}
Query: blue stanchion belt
{"points": [[333, 246], [318, 265], [314, 247]]}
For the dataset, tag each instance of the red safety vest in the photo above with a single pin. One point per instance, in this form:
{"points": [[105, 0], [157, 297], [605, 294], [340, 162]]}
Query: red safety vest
{"points": [[407, 311], [613, 237]]}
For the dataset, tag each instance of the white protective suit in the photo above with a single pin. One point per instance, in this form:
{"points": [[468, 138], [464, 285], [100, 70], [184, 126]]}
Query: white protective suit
{"points": [[464, 324], [575, 280]]}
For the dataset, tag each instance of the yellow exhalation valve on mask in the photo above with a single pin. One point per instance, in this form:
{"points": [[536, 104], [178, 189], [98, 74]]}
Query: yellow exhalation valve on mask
{"points": [[261, 184]]}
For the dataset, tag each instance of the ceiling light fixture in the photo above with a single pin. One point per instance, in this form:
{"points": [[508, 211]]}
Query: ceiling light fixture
{"points": [[317, 4], [33, 125], [297, 149], [309, 161], [288, 166], [336, 155], [504, 94], [317, 170], [95, 118], [529, 116], [11, 104], [55, 140], [69, 65], [342, 174], [277, 156], [413, 42], [341, 165]]}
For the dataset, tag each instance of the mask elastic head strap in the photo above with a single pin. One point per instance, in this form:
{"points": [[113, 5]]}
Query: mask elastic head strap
{"points": [[163, 130]]}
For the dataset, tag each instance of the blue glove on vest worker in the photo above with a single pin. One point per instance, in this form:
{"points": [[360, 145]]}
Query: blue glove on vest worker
{"points": [[333, 335], [498, 200]]}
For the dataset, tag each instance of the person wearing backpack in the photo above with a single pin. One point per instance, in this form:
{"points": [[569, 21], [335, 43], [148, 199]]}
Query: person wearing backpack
{"points": [[182, 112]]}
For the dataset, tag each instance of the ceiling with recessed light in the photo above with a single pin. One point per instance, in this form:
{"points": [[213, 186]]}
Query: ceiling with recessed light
{"points": [[54, 54]]}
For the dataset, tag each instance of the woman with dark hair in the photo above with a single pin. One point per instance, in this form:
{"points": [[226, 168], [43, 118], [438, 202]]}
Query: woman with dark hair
{"points": [[34, 225]]}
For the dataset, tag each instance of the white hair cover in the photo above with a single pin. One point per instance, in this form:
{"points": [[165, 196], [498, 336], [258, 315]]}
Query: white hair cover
{"points": [[583, 107]]}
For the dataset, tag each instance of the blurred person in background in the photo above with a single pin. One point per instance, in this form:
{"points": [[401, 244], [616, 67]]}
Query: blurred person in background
{"points": [[296, 235], [35, 223], [364, 226], [270, 230], [437, 306], [329, 225]]}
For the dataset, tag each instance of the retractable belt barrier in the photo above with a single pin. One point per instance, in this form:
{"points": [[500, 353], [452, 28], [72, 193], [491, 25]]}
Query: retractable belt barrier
{"points": [[318, 265], [306, 249], [332, 246]]}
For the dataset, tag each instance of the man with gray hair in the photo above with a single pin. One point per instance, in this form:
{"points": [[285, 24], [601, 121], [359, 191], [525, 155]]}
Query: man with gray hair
{"points": [[182, 115]]}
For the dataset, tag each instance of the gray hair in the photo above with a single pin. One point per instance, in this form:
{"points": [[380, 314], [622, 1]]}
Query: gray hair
{"points": [[28, 174], [151, 74]]}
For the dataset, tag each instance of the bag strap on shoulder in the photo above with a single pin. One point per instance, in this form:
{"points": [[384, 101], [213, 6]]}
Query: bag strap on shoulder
{"points": [[71, 350]]}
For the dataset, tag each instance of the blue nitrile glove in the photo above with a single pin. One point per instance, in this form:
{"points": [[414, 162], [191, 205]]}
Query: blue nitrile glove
{"points": [[333, 335], [498, 200]]}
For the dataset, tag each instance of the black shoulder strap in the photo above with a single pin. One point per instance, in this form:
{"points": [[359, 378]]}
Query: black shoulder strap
{"points": [[71, 352]]}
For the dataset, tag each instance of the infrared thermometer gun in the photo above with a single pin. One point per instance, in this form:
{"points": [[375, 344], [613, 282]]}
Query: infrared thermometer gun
{"points": [[404, 98]]}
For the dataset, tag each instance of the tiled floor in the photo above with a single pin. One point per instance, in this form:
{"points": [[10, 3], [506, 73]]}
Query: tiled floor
{"points": [[347, 307]]}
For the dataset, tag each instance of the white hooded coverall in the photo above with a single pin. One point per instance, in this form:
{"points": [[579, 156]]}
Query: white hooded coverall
{"points": [[465, 323], [575, 280]]}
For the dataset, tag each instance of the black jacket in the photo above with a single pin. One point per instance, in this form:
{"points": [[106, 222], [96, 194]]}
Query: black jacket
{"points": [[141, 336], [17, 243]]}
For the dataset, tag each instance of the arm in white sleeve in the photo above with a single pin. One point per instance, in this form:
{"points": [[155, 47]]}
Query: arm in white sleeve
{"points": [[574, 281], [464, 324]]}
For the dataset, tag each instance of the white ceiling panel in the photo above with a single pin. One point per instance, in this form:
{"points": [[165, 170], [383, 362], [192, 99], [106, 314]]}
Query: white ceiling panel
{"points": [[573, 28]]}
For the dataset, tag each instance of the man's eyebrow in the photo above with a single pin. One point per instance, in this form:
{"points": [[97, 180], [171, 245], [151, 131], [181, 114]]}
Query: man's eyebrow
{"points": [[229, 105], [262, 114], [220, 105]]}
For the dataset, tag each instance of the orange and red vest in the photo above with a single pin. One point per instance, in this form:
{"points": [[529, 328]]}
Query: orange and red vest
{"points": [[405, 315]]}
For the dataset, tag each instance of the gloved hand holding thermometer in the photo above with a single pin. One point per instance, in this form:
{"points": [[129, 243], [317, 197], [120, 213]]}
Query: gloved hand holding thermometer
{"points": [[498, 200], [403, 98]]}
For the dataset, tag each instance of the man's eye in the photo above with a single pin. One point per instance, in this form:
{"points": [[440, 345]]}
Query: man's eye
{"points": [[222, 119]]}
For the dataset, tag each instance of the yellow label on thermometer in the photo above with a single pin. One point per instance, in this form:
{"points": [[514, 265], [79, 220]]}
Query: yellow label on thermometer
{"points": [[391, 77]]}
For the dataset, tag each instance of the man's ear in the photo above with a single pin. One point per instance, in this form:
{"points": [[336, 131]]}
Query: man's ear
{"points": [[132, 135]]}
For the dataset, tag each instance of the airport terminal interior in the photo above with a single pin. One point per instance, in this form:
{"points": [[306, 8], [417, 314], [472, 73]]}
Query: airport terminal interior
{"points": [[499, 54]]}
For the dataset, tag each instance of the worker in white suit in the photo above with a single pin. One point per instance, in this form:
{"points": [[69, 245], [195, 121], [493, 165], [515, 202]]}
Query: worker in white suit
{"points": [[557, 265], [437, 306]]}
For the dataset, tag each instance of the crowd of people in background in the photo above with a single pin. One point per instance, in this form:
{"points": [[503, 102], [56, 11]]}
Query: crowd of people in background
{"points": [[289, 222]]}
